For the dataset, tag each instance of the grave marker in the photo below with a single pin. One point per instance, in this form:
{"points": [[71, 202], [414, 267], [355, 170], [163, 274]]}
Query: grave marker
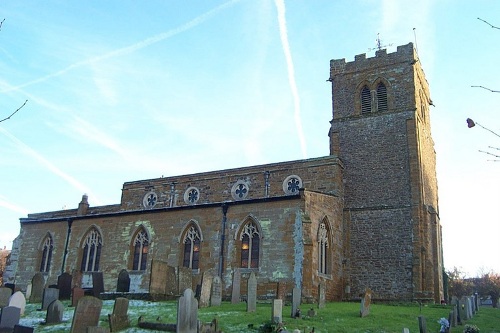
{"points": [[76, 295], [119, 319], [321, 295], [123, 283], [5, 294], [86, 314], [187, 313], [64, 282], [38, 284], [55, 312], [185, 279], [422, 325], [172, 286], [206, 286], [365, 303], [23, 329], [235, 295], [216, 297], [252, 293], [17, 299], [277, 314], [97, 284], [9, 318], [49, 295], [296, 295]]}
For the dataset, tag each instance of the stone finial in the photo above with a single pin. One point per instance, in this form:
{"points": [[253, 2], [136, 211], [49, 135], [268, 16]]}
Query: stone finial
{"points": [[83, 206]]}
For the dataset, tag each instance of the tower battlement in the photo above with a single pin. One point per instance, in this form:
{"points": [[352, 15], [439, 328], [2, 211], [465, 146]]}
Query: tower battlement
{"points": [[404, 53]]}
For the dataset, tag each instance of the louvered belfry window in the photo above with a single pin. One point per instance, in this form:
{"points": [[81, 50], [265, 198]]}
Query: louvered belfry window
{"points": [[366, 101], [382, 97]]}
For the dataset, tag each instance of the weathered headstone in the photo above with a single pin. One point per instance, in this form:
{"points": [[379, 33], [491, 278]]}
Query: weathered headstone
{"points": [[23, 329], [280, 290], [17, 299], [406, 330], [158, 279], [365, 303], [469, 307], [456, 304], [422, 324], [454, 317], [187, 313], [28, 291], [252, 293], [119, 319], [206, 286], [464, 313], [277, 314], [235, 295], [97, 284], [9, 317], [5, 294], [55, 312], [321, 295], [216, 297], [86, 314], [296, 295], [212, 327], [172, 286], [64, 282], [38, 284], [185, 279], [49, 295], [123, 283], [76, 295]]}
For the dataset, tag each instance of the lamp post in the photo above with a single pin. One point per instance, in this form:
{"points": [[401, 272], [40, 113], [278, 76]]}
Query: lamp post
{"points": [[471, 123]]}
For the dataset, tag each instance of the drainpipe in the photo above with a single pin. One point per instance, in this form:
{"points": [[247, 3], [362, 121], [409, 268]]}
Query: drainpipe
{"points": [[222, 238], [70, 222]]}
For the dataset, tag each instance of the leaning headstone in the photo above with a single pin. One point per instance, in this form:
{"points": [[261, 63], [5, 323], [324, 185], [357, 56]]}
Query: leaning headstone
{"points": [[55, 312], [277, 315], [38, 284], [321, 295], [123, 283], [187, 313], [97, 284], [76, 295], [86, 314], [5, 294], [365, 303], [235, 295], [422, 325], [206, 286], [252, 293], [296, 294], [9, 318], [216, 297], [49, 296], [23, 329], [64, 285], [185, 279], [119, 319], [17, 299]]}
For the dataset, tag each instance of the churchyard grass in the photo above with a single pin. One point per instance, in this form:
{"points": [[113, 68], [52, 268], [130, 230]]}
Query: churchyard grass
{"points": [[335, 317]]}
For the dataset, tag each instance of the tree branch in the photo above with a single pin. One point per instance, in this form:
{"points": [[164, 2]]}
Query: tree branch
{"points": [[480, 19], [495, 91], [19, 108]]}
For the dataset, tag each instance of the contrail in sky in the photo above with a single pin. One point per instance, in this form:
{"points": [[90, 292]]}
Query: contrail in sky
{"points": [[132, 48], [49, 165], [280, 6]]}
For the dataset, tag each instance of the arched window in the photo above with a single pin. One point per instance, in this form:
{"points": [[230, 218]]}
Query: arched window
{"points": [[366, 100], [192, 242], [250, 246], [141, 248], [382, 97], [91, 251], [47, 247], [323, 248]]}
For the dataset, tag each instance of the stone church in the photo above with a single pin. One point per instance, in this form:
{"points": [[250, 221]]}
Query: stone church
{"points": [[364, 216]]}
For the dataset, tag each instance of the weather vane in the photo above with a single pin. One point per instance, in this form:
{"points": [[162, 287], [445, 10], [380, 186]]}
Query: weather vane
{"points": [[379, 45]]}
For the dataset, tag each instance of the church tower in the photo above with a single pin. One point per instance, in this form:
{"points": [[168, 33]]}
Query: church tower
{"points": [[381, 131]]}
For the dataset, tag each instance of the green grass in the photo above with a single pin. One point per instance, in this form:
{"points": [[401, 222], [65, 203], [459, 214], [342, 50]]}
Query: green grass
{"points": [[335, 317]]}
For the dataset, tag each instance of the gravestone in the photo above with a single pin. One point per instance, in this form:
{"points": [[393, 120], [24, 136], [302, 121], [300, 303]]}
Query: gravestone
{"points": [[216, 297], [296, 295], [23, 329], [277, 314], [64, 282], [97, 329], [172, 286], [469, 307], [406, 330], [206, 286], [280, 290], [9, 317], [123, 283], [422, 324], [158, 279], [454, 317], [76, 295], [185, 279], [235, 294], [252, 293], [97, 284], [17, 299], [38, 284], [187, 313], [321, 295], [55, 312], [365, 303], [28, 291], [119, 319], [462, 308], [456, 304], [86, 314], [5, 294], [49, 295]]}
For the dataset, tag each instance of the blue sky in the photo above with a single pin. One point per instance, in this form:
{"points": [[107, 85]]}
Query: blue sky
{"points": [[125, 90]]}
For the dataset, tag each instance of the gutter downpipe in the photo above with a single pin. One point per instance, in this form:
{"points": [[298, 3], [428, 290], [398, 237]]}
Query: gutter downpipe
{"points": [[70, 222], [222, 238]]}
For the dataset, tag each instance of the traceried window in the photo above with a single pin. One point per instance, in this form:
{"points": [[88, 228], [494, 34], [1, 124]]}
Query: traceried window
{"points": [[382, 97], [192, 242], [141, 248], [366, 100], [91, 251], [46, 250], [323, 248], [250, 243]]}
